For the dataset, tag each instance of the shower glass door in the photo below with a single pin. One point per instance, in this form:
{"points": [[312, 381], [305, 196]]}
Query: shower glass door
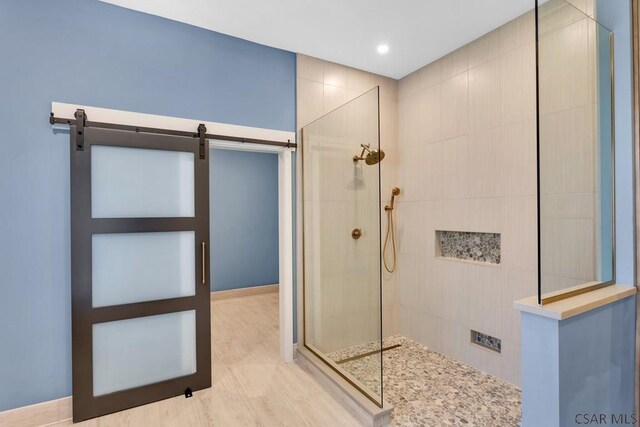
{"points": [[342, 278]]}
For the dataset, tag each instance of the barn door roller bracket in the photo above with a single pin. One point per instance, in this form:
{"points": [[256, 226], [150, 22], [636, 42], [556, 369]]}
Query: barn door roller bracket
{"points": [[81, 120], [202, 134]]}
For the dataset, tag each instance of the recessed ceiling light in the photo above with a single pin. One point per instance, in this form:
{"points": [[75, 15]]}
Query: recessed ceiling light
{"points": [[382, 49]]}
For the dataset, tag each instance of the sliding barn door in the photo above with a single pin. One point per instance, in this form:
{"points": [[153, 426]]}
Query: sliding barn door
{"points": [[140, 278]]}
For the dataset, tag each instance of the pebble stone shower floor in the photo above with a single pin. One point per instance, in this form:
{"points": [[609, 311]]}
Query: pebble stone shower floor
{"points": [[429, 389]]}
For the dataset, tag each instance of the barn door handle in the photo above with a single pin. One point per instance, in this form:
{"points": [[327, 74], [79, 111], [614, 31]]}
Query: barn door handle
{"points": [[204, 263]]}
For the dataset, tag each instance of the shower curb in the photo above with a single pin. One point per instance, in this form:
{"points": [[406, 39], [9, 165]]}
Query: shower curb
{"points": [[363, 408]]}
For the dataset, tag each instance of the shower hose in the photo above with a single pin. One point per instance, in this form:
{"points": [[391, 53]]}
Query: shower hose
{"points": [[390, 232]]}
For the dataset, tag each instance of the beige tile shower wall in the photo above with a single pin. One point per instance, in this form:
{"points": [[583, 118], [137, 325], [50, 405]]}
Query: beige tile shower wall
{"points": [[324, 86], [321, 88], [588, 7], [467, 162]]}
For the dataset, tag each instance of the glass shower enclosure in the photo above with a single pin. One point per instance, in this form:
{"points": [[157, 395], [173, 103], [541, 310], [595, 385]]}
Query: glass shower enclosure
{"points": [[576, 151], [341, 242]]}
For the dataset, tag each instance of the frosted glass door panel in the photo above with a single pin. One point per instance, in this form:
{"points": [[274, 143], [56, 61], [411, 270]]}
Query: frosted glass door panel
{"points": [[135, 352], [135, 267], [141, 183]]}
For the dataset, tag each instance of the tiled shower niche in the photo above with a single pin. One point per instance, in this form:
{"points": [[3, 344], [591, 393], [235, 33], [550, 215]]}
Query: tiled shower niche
{"points": [[468, 246]]}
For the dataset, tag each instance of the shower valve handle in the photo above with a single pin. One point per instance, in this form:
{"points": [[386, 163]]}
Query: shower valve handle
{"points": [[356, 233]]}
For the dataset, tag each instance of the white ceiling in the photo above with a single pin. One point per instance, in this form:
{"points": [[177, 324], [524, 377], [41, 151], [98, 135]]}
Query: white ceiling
{"points": [[347, 31]]}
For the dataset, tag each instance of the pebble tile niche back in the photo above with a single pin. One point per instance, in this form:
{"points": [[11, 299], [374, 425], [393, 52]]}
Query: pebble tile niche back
{"points": [[469, 246]]}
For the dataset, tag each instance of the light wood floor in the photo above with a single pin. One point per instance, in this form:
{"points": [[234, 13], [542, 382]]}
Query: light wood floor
{"points": [[251, 386]]}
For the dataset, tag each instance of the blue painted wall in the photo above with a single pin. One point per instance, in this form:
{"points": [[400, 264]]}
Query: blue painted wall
{"points": [[540, 371], [244, 219], [597, 359], [581, 365], [91, 53]]}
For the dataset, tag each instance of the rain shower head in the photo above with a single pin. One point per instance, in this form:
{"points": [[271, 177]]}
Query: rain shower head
{"points": [[373, 156]]}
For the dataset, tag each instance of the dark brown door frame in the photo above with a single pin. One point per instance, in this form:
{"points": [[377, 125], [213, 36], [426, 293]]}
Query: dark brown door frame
{"points": [[84, 316]]}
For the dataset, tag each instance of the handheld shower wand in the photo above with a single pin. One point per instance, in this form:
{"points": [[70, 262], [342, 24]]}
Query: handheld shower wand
{"points": [[390, 233]]}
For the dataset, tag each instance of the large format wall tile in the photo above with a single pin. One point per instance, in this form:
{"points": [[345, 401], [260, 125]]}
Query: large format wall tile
{"points": [[474, 172], [455, 106], [484, 96]]}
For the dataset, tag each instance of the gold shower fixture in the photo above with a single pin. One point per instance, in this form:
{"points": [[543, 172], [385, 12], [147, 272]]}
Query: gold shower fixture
{"points": [[391, 234], [373, 156], [394, 193]]}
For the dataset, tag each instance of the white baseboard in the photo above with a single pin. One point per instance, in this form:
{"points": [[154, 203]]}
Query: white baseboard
{"points": [[40, 414], [244, 292]]}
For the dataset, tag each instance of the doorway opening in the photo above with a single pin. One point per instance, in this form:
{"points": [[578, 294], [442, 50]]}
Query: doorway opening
{"points": [[244, 259]]}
